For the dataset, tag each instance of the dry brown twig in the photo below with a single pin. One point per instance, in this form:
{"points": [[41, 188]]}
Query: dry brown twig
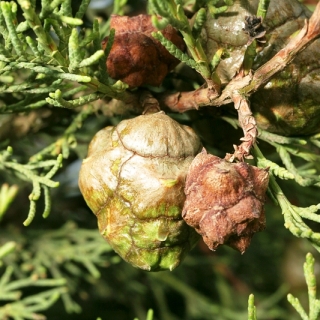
{"points": [[249, 126]]}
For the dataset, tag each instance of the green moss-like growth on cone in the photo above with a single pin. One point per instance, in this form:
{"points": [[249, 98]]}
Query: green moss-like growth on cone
{"points": [[133, 180]]}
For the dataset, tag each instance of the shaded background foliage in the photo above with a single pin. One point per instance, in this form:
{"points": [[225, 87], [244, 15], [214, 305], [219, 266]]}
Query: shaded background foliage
{"points": [[208, 285]]}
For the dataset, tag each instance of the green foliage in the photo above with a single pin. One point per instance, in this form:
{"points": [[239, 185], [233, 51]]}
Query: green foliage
{"points": [[293, 215], [49, 259], [263, 8], [314, 303], [39, 171], [25, 308], [172, 13], [52, 65], [149, 315], [61, 56], [30, 172], [200, 19], [251, 308], [183, 57], [216, 10], [6, 249], [7, 195]]}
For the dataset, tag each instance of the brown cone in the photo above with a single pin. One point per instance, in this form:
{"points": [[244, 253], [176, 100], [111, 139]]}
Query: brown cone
{"points": [[136, 57], [224, 201]]}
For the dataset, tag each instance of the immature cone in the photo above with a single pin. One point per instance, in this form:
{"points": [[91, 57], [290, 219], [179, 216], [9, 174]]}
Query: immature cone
{"points": [[289, 104], [224, 201], [133, 180], [136, 57]]}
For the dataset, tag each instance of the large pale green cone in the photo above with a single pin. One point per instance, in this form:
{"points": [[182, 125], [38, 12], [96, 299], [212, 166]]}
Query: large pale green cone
{"points": [[133, 180], [289, 104]]}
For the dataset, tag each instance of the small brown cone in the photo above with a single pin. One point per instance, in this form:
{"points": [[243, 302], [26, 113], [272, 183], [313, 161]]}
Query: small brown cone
{"points": [[224, 201], [136, 57]]}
